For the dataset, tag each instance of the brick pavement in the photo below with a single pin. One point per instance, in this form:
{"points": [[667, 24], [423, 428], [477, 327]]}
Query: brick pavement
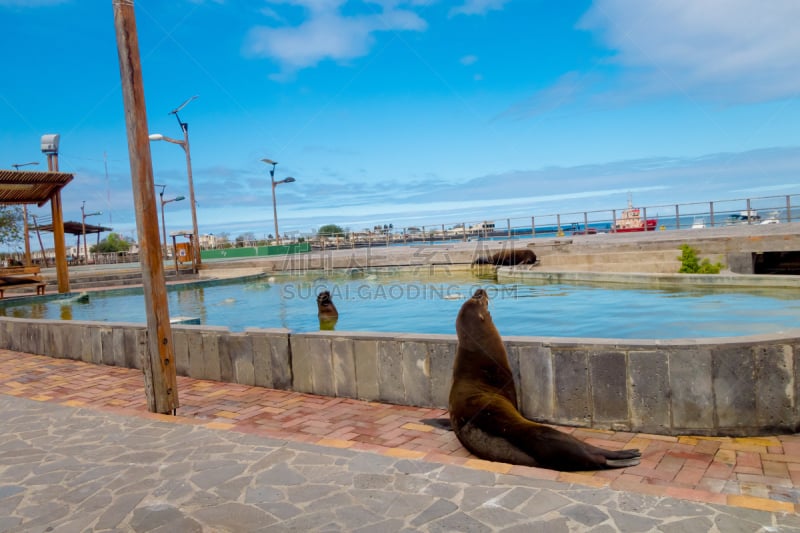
{"points": [[760, 473]]}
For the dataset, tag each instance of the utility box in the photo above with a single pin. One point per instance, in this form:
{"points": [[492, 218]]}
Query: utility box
{"points": [[50, 143]]}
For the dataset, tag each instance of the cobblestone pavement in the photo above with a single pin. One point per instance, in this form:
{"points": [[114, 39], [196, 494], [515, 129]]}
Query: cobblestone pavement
{"points": [[79, 452]]}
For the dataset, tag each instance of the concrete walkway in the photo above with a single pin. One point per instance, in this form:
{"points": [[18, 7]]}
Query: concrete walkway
{"points": [[79, 452]]}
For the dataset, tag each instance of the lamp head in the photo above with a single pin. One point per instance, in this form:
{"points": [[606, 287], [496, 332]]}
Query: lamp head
{"points": [[270, 162], [178, 198], [156, 137], [288, 180]]}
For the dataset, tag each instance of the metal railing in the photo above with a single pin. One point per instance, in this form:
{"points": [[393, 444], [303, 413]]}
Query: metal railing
{"points": [[666, 217]]}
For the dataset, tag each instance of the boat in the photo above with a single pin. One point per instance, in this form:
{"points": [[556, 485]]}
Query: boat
{"points": [[631, 220], [699, 223], [578, 229], [748, 216], [773, 218]]}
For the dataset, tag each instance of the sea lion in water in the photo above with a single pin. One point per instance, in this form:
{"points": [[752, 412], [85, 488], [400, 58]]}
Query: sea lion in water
{"points": [[326, 311], [508, 258], [483, 405]]}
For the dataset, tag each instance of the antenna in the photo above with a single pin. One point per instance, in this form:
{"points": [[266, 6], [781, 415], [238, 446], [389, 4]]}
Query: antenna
{"points": [[184, 104], [184, 126]]}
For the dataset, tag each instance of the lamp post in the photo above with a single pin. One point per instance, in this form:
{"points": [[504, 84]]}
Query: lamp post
{"points": [[25, 218], [84, 214], [163, 225], [185, 145], [274, 203]]}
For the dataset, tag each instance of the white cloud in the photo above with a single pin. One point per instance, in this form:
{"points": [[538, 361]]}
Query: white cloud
{"points": [[468, 60], [326, 33], [477, 7], [728, 51], [561, 94]]}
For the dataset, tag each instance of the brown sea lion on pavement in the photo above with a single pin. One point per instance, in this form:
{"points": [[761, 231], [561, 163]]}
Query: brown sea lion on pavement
{"points": [[326, 311], [483, 405], [508, 258]]}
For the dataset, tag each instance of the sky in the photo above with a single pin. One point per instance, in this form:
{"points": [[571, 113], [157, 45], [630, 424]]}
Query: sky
{"points": [[409, 112]]}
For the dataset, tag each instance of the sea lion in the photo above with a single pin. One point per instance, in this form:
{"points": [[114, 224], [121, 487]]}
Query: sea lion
{"points": [[483, 405], [326, 311], [508, 258]]}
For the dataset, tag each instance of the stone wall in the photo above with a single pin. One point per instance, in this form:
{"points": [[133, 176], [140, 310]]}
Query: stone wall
{"points": [[729, 386]]}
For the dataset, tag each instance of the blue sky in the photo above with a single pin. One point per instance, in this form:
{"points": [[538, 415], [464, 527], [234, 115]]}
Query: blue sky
{"points": [[411, 111]]}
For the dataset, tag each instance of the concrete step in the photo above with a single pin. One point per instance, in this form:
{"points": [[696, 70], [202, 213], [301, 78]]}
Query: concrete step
{"points": [[88, 280]]}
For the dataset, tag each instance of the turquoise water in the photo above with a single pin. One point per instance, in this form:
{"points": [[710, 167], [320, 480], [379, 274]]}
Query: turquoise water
{"points": [[392, 302]]}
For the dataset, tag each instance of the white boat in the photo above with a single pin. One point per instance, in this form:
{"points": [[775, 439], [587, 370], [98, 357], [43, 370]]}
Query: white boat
{"points": [[699, 223], [773, 218], [748, 216]]}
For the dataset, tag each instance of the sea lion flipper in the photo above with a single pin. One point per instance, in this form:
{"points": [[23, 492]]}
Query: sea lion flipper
{"points": [[623, 463], [441, 423]]}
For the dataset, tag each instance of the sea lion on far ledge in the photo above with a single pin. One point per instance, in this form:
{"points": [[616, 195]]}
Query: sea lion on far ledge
{"points": [[326, 311], [483, 405], [508, 258]]}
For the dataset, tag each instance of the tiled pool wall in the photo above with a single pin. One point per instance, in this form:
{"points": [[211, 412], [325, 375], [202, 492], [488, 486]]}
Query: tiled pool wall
{"points": [[728, 386]]}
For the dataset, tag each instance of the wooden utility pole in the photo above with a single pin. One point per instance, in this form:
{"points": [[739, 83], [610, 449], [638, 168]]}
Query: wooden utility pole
{"points": [[57, 212], [161, 387]]}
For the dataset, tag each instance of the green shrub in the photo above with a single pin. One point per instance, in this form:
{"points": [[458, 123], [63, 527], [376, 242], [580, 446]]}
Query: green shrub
{"points": [[690, 264]]}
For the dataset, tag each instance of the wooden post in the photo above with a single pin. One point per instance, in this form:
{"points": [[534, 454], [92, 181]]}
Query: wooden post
{"points": [[161, 386], [57, 213]]}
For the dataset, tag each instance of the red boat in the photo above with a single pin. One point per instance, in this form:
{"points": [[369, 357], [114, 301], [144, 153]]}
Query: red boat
{"points": [[631, 220]]}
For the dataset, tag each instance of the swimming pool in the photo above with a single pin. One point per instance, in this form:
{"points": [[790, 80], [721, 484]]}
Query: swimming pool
{"points": [[418, 303]]}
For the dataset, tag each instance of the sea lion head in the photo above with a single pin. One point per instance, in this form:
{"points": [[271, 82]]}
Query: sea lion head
{"points": [[326, 311], [325, 305], [474, 322]]}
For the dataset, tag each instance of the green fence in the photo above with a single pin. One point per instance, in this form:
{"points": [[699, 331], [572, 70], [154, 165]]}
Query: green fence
{"points": [[258, 251]]}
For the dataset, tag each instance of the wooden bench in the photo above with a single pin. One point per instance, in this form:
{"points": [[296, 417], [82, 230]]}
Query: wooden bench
{"points": [[40, 287], [21, 277]]}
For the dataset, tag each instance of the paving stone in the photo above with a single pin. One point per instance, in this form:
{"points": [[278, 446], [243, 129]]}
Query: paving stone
{"points": [[588, 515], [232, 516], [308, 493], [461, 522], [631, 523], [436, 510], [214, 477], [372, 481], [353, 516], [496, 517], [280, 475], [153, 516], [545, 501], [471, 477], [381, 527], [87, 468], [687, 525]]}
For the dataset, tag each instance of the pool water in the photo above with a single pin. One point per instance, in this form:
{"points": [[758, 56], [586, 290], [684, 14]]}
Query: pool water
{"points": [[414, 303]]}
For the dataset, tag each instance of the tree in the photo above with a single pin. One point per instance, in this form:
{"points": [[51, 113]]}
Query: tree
{"points": [[112, 244], [330, 229], [245, 238], [10, 224]]}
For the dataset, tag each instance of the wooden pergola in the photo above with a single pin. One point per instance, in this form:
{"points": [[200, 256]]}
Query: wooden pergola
{"points": [[24, 187], [78, 229]]}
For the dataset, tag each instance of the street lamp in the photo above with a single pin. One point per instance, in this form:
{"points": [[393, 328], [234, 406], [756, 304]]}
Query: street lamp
{"points": [[185, 145], [25, 218], [163, 225], [274, 203], [84, 214]]}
